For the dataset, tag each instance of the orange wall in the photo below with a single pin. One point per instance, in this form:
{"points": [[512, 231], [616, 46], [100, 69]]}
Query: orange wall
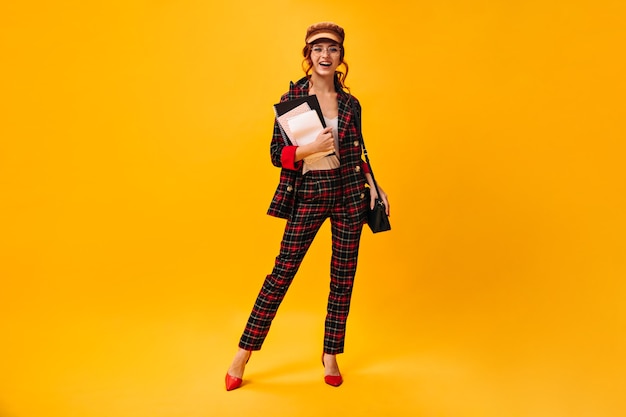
{"points": [[135, 172]]}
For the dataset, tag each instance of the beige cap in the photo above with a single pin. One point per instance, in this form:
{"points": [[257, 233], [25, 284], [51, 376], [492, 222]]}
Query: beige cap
{"points": [[326, 30]]}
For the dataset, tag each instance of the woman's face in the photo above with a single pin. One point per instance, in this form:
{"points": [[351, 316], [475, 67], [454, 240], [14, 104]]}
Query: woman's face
{"points": [[325, 58]]}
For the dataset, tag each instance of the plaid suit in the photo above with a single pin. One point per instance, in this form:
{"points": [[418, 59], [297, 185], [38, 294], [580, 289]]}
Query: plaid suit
{"points": [[306, 201]]}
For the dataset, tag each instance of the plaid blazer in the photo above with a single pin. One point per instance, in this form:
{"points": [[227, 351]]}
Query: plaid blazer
{"points": [[351, 167]]}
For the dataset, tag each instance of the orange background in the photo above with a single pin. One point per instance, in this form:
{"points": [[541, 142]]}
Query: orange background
{"points": [[135, 176]]}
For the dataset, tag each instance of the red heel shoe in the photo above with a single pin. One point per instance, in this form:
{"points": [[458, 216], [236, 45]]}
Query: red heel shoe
{"points": [[332, 380], [232, 382]]}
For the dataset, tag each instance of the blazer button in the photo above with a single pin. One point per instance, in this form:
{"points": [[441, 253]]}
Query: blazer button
{"points": [[289, 188], [362, 196], [357, 168], [356, 143]]}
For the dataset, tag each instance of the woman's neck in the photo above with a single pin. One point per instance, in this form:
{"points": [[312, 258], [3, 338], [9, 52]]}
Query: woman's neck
{"points": [[322, 85]]}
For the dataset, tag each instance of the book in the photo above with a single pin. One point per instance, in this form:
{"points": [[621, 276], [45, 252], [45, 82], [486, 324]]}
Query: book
{"points": [[285, 106], [304, 128], [283, 120], [300, 121]]}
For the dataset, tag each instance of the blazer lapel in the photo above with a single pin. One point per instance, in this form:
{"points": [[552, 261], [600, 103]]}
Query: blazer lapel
{"points": [[345, 115]]}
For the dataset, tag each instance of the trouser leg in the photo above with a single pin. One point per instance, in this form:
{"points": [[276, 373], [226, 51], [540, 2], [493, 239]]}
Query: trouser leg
{"points": [[346, 238], [299, 233]]}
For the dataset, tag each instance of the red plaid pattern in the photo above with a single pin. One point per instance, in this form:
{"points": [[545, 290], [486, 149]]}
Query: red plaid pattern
{"points": [[351, 169], [306, 201], [319, 197]]}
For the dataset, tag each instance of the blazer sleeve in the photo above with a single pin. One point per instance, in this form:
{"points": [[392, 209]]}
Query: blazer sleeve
{"points": [[283, 155], [365, 168]]}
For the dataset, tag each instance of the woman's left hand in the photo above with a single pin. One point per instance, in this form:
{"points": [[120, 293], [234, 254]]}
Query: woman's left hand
{"points": [[382, 196]]}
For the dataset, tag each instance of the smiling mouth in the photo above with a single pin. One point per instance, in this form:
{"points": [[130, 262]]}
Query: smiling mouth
{"points": [[325, 64]]}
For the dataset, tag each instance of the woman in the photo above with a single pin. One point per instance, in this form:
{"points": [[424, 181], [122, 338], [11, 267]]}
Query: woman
{"points": [[309, 192]]}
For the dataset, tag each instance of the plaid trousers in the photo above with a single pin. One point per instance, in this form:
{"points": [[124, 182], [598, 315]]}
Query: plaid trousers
{"points": [[319, 197]]}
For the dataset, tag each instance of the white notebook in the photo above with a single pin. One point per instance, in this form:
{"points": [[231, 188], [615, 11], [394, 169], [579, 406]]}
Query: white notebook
{"points": [[304, 128]]}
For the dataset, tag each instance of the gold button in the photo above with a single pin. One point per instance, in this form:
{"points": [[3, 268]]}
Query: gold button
{"points": [[358, 168], [356, 143], [362, 196], [289, 188]]}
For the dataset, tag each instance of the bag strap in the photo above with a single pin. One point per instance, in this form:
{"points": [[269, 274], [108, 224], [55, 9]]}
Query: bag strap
{"points": [[357, 118]]}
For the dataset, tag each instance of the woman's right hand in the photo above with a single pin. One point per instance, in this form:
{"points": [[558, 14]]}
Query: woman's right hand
{"points": [[324, 141]]}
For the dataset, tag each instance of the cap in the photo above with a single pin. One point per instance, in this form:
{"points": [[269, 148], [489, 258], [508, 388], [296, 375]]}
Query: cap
{"points": [[326, 30]]}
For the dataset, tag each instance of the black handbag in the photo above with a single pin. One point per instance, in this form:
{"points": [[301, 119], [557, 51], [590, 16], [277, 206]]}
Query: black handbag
{"points": [[377, 218]]}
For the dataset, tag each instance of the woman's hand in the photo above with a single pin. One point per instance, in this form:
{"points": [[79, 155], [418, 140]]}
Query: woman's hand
{"points": [[323, 143], [374, 195]]}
